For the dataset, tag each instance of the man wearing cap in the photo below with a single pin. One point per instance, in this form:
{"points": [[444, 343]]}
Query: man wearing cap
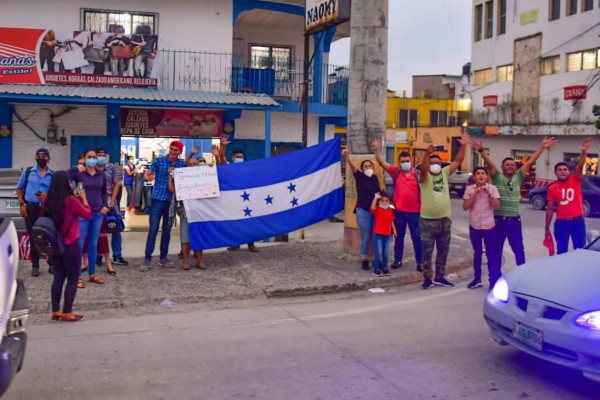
{"points": [[32, 190], [159, 207]]}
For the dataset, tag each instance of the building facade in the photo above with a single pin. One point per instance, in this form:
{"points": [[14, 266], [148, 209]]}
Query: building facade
{"points": [[536, 72]]}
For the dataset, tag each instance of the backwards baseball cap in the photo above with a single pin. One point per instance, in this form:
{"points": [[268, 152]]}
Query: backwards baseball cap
{"points": [[177, 143], [42, 151], [101, 150]]}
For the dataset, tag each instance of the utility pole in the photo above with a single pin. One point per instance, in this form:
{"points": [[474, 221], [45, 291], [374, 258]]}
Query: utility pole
{"points": [[367, 97]]}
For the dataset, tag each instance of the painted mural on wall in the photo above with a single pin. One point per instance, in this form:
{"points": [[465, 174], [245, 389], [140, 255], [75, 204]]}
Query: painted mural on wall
{"points": [[167, 123], [48, 56]]}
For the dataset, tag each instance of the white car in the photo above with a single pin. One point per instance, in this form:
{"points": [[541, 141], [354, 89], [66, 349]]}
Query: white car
{"points": [[550, 308]]}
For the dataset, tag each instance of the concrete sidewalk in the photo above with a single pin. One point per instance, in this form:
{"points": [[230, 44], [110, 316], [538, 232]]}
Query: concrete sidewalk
{"points": [[314, 264]]}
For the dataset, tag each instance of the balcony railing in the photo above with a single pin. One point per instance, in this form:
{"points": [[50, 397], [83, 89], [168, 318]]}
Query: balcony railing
{"points": [[227, 73]]}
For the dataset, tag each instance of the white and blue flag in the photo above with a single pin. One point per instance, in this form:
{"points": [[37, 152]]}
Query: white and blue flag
{"points": [[265, 198]]}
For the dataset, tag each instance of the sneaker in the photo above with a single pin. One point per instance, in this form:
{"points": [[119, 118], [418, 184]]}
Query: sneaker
{"points": [[442, 282], [146, 265], [397, 265], [475, 283], [120, 261], [377, 272], [166, 263], [419, 268], [365, 265], [35, 271], [427, 284], [386, 272]]}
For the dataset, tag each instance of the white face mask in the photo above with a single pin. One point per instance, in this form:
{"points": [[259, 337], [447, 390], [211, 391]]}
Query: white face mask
{"points": [[405, 166], [368, 172], [435, 169], [384, 206]]}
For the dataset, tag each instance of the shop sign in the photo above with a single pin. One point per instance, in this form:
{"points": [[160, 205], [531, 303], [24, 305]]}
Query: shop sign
{"points": [[528, 17], [490, 101], [475, 131], [48, 56], [321, 14], [171, 122], [577, 92]]}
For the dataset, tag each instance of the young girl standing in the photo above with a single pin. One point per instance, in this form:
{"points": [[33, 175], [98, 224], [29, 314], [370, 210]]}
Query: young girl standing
{"points": [[382, 231]]}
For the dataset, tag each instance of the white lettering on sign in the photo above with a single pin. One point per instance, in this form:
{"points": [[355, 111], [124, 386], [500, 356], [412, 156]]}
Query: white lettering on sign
{"points": [[319, 12], [196, 183], [575, 92], [490, 101]]}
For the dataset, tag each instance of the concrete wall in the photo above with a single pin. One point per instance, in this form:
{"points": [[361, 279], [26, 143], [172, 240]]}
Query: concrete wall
{"points": [[430, 86], [526, 84]]}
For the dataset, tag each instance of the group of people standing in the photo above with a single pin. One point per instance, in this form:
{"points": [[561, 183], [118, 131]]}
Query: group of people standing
{"points": [[421, 202]]}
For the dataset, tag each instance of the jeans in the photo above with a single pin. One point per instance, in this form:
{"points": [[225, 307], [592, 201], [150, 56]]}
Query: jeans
{"points": [[401, 220], [365, 221], [436, 233], [494, 257], [90, 230], [137, 64], [510, 228], [158, 209], [33, 213], [573, 228], [381, 246], [129, 190], [116, 240], [67, 266]]}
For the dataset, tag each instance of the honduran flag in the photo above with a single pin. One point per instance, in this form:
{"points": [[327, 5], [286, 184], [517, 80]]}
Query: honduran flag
{"points": [[265, 198]]}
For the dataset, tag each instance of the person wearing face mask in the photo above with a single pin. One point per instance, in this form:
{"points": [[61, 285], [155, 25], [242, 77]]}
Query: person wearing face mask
{"points": [[32, 189], [383, 228], [508, 181], [367, 185], [436, 210], [129, 176], [407, 203]]}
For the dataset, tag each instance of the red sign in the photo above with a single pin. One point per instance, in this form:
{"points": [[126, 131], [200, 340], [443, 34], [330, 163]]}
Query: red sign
{"points": [[490, 101], [171, 123], [577, 92], [38, 56]]}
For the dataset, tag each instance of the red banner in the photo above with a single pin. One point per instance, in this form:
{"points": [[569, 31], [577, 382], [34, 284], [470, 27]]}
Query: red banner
{"points": [[171, 123], [577, 92], [490, 101], [37, 56]]}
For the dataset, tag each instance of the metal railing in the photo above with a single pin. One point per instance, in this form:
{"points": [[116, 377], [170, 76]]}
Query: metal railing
{"points": [[237, 73]]}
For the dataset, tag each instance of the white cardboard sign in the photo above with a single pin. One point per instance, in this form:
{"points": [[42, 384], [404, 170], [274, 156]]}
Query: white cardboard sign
{"points": [[196, 183]]}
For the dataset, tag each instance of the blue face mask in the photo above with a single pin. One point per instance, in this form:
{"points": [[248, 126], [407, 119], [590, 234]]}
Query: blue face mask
{"points": [[202, 164], [405, 166], [238, 160], [91, 162], [384, 206], [101, 160]]}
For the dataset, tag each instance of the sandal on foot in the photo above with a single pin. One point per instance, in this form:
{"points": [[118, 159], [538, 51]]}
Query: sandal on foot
{"points": [[56, 315], [185, 266], [201, 266], [111, 272], [95, 279], [71, 317], [80, 284]]}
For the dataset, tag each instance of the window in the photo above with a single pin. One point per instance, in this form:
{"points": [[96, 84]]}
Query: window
{"points": [[407, 118], [582, 60], [587, 5], [108, 20], [504, 73], [554, 10], [438, 118], [571, 7], [501, 17], [489, 19], [550, 65], [478, 22], [278, 58], [483, 76]]}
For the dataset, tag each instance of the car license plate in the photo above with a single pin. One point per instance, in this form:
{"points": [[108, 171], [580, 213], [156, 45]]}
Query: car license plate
{"points": [[12, 204], [530, 336]]}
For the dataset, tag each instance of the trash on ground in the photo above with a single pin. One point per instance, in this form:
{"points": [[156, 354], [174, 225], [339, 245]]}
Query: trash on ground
{"points": [[377, 290], [166, 303], [453, 276]]}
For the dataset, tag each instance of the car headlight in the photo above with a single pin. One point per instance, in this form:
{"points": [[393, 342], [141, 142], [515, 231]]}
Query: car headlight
{"points": [[500, 290], [589, 320]]}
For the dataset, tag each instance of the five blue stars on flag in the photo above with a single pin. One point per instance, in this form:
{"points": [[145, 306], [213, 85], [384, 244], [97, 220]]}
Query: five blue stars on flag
{"points": [[268, 200]]}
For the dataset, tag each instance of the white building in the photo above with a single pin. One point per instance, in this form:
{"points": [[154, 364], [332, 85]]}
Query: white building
{"points": [[535, 71], [239, 60]]}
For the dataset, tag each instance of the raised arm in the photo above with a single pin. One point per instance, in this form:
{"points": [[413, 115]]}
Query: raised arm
{"points": [[478, 145], [195, 150], [587, 142], [425, 163], [454, 165], [352, 164], [379, 157], [547, 142]]}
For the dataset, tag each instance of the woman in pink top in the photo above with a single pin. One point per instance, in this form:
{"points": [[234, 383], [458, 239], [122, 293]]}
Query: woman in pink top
{"points": [[481, 200], [65, 208]]}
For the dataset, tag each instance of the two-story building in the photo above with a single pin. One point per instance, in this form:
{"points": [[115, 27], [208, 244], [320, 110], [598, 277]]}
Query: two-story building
{"points": [[77, 74], [536, 72]]}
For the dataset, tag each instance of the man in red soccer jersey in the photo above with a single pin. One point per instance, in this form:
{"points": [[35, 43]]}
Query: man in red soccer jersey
{"points": [[566, 195]]}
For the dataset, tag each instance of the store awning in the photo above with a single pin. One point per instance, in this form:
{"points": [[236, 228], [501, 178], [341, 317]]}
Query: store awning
{"points": [[134, 97]]}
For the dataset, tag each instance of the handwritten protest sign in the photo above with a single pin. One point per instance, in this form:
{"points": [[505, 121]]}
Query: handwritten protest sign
{"points": [[196, 183]]}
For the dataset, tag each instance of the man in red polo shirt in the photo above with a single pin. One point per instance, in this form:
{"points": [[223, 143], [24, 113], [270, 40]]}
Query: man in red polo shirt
{"points": [[407, 203], [566, 195]]}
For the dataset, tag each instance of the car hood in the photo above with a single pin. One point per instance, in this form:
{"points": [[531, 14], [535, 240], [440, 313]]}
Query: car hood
{"points": [[569, 279], [9, 261]]}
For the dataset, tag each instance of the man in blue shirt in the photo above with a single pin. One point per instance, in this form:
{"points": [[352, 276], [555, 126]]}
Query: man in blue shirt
{"points": [[32, 190], [161, 200]]}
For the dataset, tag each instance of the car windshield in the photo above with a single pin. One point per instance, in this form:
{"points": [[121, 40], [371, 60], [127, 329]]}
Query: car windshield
{"points": [[595, 180]]}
